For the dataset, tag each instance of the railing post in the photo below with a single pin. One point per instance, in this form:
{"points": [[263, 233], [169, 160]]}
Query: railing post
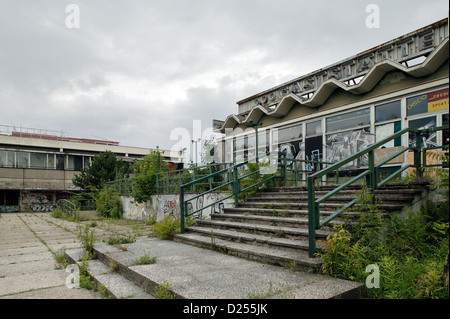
{"points": [[311, 218], [182, 210], [417, 152], [372, 179], [236, 186]]}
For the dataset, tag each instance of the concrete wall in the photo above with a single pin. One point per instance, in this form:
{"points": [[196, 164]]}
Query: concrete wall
{"points": [[36, 179], [169, 204]]}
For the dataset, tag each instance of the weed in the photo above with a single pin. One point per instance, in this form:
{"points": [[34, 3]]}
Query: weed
{"points": [[121, 240], [168, 226], [144, 260], [86, 238], [163, 291]]}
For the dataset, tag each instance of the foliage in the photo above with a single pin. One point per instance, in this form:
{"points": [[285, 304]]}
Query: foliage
{"points": [[86, 238], [145, 181], [121, 240], [167, 226], [410, 252], [144, 260], [255, 169], [57, 213], [108, 203], [163, 291], [105, 167]]}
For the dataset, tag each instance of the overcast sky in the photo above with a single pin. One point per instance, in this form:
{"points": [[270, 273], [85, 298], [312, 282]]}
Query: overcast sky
{"points": [[135, 70]]}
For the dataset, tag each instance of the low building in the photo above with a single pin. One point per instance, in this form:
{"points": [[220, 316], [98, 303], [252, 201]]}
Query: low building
{"points": [[338, 110], [37, 166]]}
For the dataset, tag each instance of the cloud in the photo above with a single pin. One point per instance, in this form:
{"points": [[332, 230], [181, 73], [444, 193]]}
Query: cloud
{"points": [[136, 70]]}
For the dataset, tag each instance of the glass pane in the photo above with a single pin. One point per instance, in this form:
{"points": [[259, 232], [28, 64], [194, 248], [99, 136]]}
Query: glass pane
{"points": [[51, 161], [348, 120], [428, 139], [290, 133], [38, 160], [60, 161], [3, 159], [385, 130], [445, 135], [314, 128], [22, 159], [417, 105], [388, 111], [345, 144]]}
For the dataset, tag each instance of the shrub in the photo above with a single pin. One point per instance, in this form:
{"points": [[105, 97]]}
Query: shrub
{"points": [[109, 203], [167, 226]]}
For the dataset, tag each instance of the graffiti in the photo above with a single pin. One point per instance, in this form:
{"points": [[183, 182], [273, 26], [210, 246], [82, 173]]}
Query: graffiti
{"points": [[39, 202], [9, 208], [345, 144], [162, 205]]}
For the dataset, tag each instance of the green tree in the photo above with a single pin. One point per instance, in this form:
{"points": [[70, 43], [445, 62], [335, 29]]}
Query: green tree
{"points": [[105, 167], [145, 180]]}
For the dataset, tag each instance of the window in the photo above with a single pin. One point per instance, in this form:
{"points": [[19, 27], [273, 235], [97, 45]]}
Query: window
{"points": [[388, 129], [314, 128], [417, 105], [74, 162], [6, 159], [22, 159], [348, 120], [60, 161], [38, 160], [428, 139], [291, 133], [388, 111]]}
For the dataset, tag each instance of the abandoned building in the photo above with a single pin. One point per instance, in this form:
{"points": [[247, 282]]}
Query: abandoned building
{"points": [[340, 109], [37, 166]]}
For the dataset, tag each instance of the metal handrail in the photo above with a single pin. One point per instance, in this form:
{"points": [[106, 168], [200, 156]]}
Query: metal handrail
{"points": [[232, 173], [314, 222], [67, 207]]}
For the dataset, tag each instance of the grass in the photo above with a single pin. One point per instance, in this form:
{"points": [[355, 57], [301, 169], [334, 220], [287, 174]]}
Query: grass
{"points": [[144, 260]]}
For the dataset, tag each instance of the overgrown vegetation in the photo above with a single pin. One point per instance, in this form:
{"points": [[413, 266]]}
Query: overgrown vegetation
{"points": [[105, 167], [145, 180], [109, 203], [163, 291], [410, 251]]}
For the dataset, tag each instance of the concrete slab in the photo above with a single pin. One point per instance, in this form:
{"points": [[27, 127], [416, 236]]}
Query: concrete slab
{"points": [[198, 273]]}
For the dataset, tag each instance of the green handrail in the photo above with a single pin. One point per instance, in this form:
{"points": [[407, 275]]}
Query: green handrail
{"points": [[233, 180], [314, 221]]}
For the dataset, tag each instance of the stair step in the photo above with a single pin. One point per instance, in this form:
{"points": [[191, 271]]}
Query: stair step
{"points": [[115, 285], [264, 220], [323, 206], [299, 259], [275, 231], [253, 239]]}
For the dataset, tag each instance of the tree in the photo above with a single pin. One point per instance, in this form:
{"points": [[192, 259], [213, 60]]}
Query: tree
{"points": [[105, 167], [145, 180]]}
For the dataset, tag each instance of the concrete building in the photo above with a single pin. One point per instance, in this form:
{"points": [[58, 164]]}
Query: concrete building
{"points": [[37, 166], [339, 109]]}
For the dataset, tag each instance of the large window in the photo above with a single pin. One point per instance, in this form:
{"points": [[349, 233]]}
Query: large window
{"points": [[387, 119], [289, 140], [348, 120], [428, 139], [38, 160]]}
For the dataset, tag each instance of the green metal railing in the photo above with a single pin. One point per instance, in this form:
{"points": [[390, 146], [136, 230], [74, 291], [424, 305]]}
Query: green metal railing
{"points": [[371, 175], [170, 181], [231, 184], [69, 208]]}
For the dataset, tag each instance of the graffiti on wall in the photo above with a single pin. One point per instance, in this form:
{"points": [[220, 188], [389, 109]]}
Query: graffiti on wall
{"points": [[168, 204], [39, 201], [345, 144]]}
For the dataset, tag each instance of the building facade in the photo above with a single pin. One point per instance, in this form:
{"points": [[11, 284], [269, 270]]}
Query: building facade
{"points": [[334, 112], [37, 166]]}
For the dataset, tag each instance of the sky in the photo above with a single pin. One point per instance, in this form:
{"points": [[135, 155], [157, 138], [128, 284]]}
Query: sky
{"points": [[136, 71]]}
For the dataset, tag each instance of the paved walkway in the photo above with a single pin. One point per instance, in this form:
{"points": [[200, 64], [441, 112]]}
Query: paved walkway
{"points": [[27, 244]]}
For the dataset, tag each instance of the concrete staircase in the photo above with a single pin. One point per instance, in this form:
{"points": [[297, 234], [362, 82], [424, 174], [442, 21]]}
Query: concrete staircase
{"points": [[272, 226]]}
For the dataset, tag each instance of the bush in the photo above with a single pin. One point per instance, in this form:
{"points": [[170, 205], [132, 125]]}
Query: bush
{"points": [[410, 252], [167, 226], [109, 203]]}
